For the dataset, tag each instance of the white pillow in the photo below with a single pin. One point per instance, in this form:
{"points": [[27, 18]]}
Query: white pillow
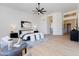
{"points": [[4, 41]]}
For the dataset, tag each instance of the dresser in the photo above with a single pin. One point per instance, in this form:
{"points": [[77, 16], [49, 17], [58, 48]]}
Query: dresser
{"points": [[74, 35]]}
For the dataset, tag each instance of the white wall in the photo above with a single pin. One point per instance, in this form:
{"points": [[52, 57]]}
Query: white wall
{"points": [[57, 23], [10, 16], [43, 25], [78, 20], [78, 15]]}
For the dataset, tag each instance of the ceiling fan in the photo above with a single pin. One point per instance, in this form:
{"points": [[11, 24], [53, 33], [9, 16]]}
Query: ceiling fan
{"points": [[39, 10]]}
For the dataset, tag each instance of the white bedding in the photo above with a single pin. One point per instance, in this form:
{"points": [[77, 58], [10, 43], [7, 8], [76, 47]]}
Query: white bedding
{"points": [[4, 41], [33, 36]]}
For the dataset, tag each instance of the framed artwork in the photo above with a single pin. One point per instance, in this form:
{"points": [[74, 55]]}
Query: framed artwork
{"points": [[26, 24]]}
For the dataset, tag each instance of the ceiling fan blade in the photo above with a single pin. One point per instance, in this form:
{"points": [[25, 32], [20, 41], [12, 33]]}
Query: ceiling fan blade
{"points": [[36, 8], [42, 9], [41, 12]]}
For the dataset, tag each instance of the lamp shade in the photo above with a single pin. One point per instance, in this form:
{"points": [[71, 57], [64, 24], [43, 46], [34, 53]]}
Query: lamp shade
{"points": [[12, 27]]}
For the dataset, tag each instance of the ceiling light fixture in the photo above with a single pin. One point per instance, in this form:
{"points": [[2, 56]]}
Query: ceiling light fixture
{"points": [[39, 10]]}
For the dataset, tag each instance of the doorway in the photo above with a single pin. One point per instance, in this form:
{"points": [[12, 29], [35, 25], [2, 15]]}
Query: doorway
{"points": [[68, 28]]}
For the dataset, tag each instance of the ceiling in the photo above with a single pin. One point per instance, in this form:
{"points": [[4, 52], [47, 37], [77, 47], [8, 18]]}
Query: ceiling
{"points": [[50, 7]]}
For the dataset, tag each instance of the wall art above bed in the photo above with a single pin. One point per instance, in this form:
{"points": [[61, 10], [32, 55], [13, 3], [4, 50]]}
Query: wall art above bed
{"points": [[26, 25]]}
